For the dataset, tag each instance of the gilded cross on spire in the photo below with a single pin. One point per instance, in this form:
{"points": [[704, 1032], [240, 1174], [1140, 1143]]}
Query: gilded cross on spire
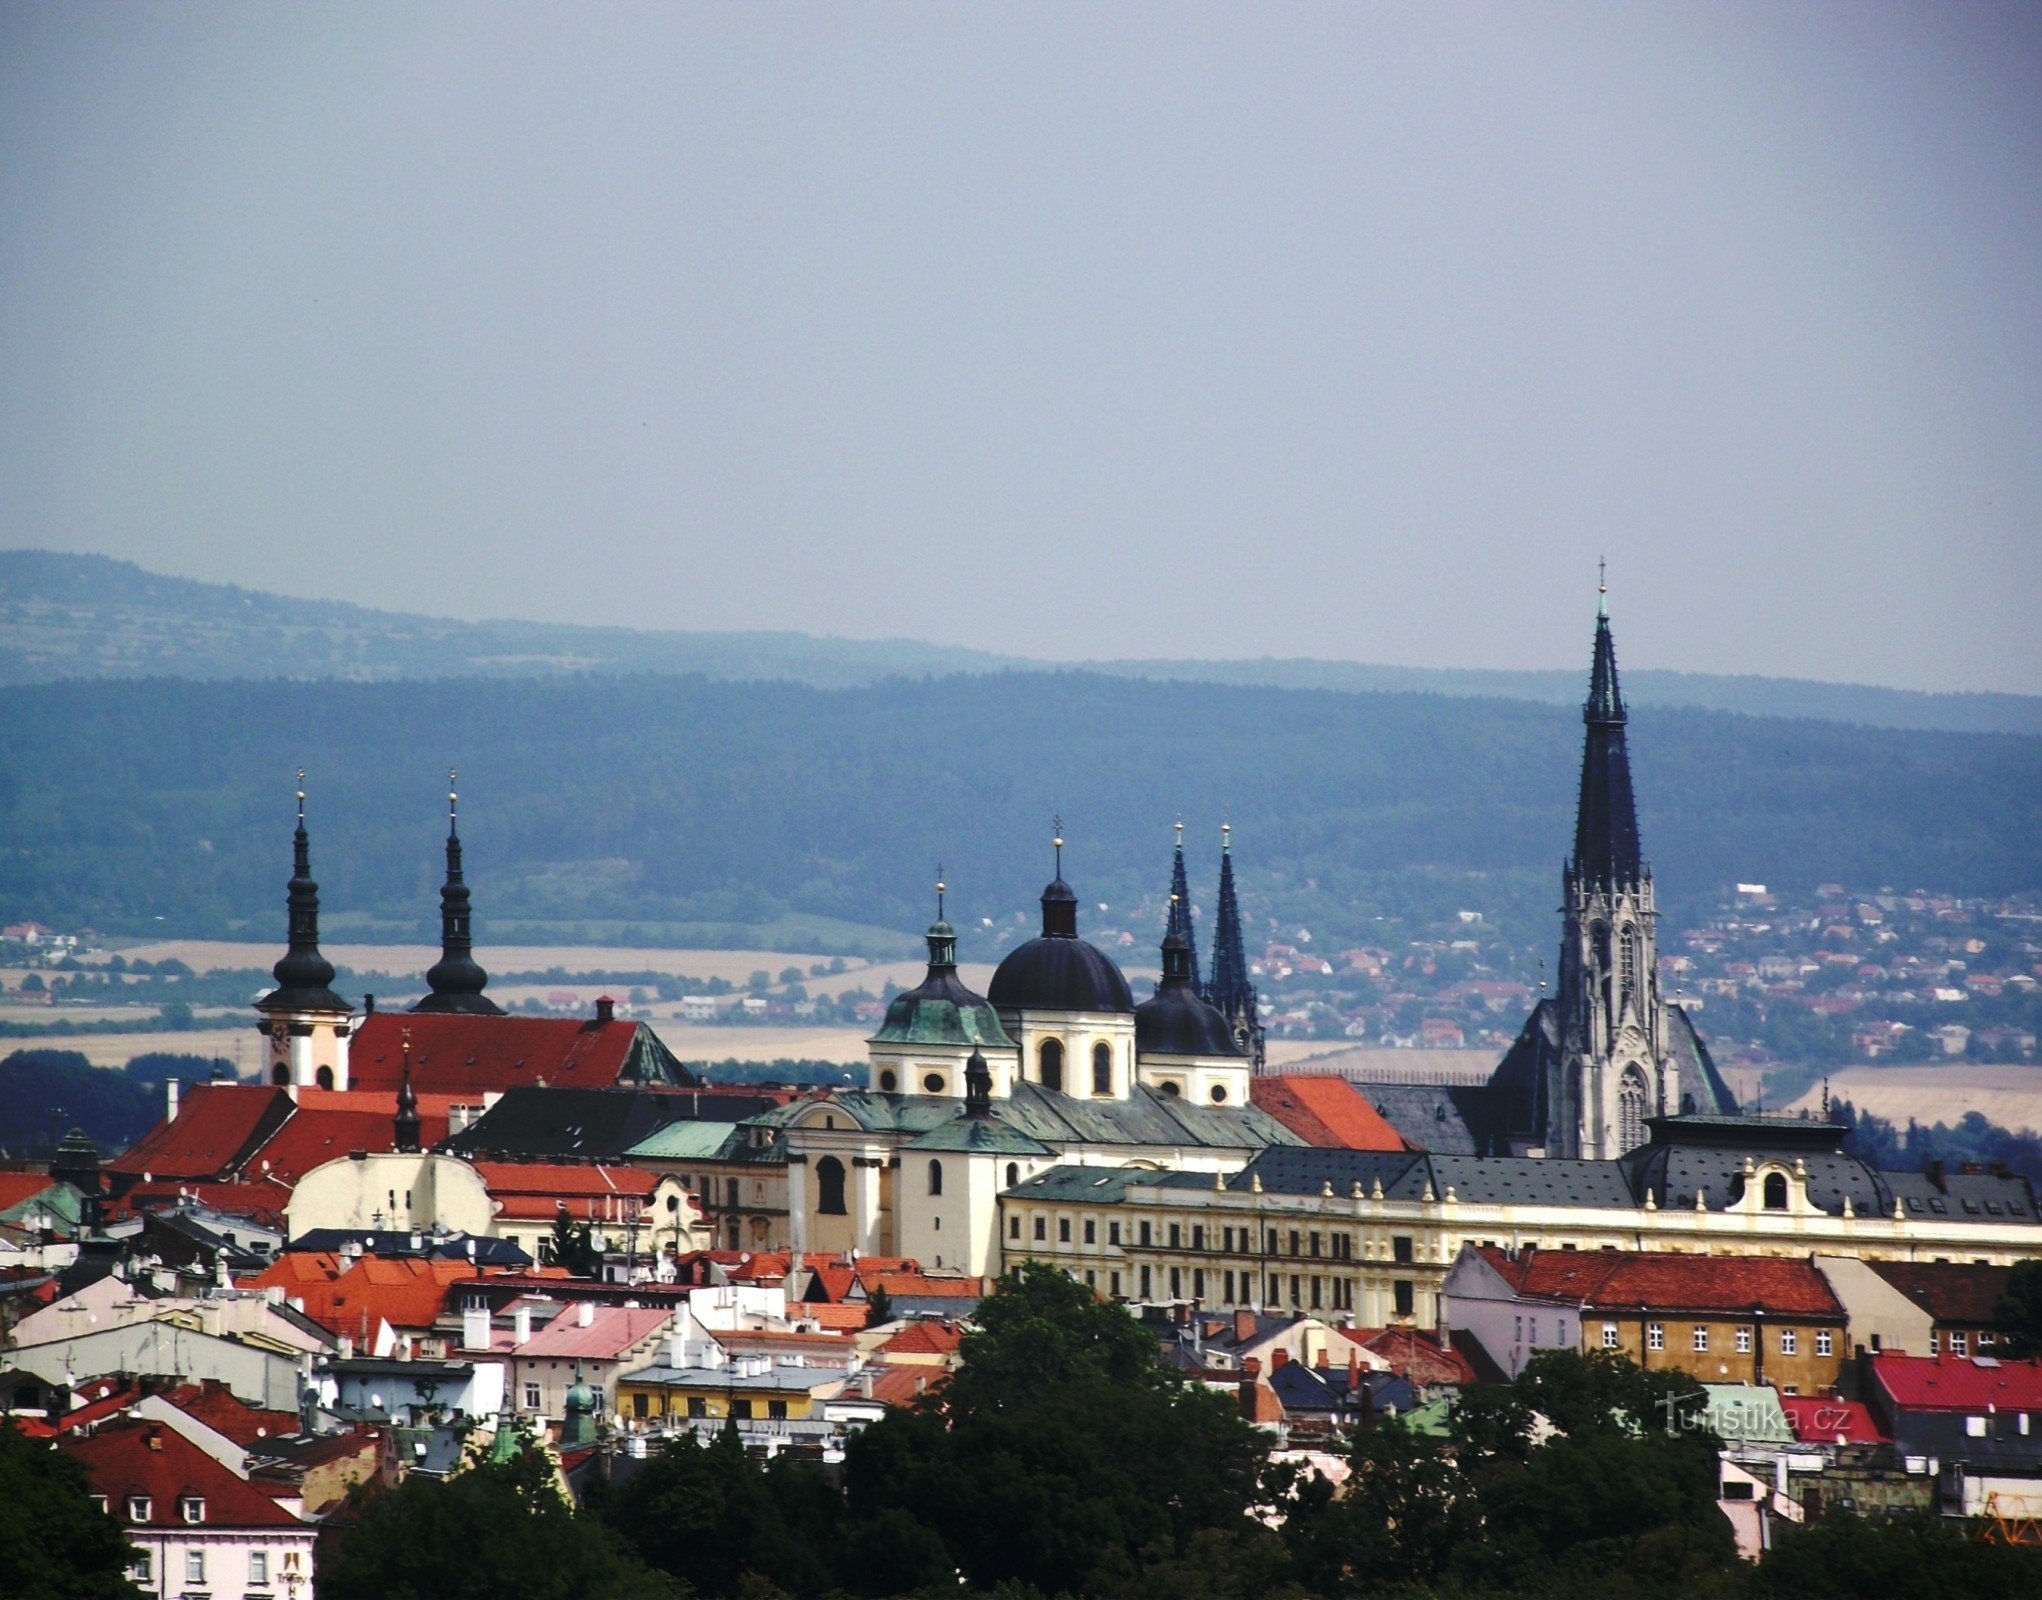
{"points": [[301, 797], [1056, 824], [940, 886]]}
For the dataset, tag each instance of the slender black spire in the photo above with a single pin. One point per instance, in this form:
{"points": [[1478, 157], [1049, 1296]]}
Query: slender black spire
{"points": [[1230, 992], [1606, 847], [1180, 907], [408, 1132], [456, 980], [304, 976], [1059, 902]]}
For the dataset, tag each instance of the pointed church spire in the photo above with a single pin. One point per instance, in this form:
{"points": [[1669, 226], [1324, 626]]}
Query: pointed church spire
{"points": [[304, 976], [408, 1130], [1180, 908], [1231, 993], [1606, 849], [456, 980], [942, 937]]}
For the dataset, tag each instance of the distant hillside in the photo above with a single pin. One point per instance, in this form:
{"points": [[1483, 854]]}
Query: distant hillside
{"points": [[623, 809], [67, 616]]}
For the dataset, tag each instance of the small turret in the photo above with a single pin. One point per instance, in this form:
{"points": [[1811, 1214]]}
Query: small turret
{"points": [[408, 1137]]}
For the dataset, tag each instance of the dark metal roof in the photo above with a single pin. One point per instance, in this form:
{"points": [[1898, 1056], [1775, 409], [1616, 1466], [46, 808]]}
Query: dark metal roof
{"points": [[1175, 1020], [1059, 973], [942, 1008], [1606, 849], [979, 1136], [304, 976], [456, 980], [1450, 1119], [589, 1124]]}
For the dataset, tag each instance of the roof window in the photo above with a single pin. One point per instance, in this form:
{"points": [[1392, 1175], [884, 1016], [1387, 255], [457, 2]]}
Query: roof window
{"points": [[192, 1508], [139, 1508]]}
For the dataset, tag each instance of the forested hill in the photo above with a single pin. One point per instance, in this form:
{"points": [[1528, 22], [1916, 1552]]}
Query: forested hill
{"points": [[66, 616], [647, 807]]}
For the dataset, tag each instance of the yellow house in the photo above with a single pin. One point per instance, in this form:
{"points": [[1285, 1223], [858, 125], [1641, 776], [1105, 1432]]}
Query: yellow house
{"points": [[749, 1388]]}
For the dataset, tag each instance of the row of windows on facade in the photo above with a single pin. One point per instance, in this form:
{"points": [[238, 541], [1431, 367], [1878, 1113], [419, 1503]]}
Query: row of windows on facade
{"points": [[143, 1568], [1307, 1291], [190, 1508], [1303, 1242], [1049, 1072], [1655, 1337]]}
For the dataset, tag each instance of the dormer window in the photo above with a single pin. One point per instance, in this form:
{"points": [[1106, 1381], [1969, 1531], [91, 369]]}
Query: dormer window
{"points": [[1776, 1191], [192, 1508], [100, 1503], [139, 1508]]}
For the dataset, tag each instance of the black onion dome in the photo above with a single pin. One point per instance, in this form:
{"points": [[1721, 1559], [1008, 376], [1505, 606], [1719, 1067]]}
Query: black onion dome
{"points": [[1059, 971], [304, 976], [1175, 1021]]}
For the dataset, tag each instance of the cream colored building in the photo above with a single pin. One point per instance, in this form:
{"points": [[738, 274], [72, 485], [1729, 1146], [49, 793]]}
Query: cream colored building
{"points": [[397, 1190]]}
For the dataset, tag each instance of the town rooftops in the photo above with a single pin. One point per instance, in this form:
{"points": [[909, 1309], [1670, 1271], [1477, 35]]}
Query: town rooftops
{"points": [[470, 1055], [535, 1190], [1821, 1419], [216, 1127], [1325, 1110], [530, 1123], [1619, 1280], [1958, 1383], [608, 1333], [136, 1462], [405, 1292], [1959, 1292]]}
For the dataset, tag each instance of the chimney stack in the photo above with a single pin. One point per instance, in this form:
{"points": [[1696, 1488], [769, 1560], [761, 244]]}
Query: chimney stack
{"points": [[1278, 1360], [170, 1098], [606, 1009], [1244, 1325], [521, 1324], [585, 1314], [475, 1324]]}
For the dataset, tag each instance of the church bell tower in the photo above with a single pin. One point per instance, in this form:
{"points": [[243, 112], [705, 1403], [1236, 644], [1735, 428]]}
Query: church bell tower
{"points": [[1615, 1067]]}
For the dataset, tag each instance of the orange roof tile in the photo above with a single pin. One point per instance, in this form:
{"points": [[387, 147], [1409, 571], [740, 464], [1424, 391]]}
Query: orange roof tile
{"points": [[924, 1339], [1665, 1281], [1325, 1111], [17, 1187]]}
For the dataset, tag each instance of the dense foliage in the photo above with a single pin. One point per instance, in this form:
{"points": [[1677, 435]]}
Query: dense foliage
{"points": [[44, 1094], [1910, 1148], [690, 811], [54, 1543]]}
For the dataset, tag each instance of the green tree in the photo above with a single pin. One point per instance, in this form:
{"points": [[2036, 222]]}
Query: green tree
{"points": [[54, 1543], [500, 1528], [1405, 1507], [1845, 1557], [878, 1307], [572, 1246], [2020, 1308]]}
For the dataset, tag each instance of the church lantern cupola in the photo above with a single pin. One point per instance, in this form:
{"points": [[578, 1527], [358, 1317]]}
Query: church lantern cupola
{"points": [[932, 1030], [455, 982]]}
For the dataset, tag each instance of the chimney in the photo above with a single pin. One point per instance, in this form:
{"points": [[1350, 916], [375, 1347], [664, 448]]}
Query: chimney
{"points": [[1251, 1374], [155, 1436], [585, 1314], [1244, 1325], [475, 1324], [1324, 1358], [368, 1006], [521, 1324], [1278, 1360], [676, 1351], [170, 1098], [606, 1009]]}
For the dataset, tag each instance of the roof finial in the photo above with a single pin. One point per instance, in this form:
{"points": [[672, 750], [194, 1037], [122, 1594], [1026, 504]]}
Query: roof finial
{"points": [[301, 797], [1056, 824], [1180, 836], [1226, 838], [453, 797], [940, 886], [1601, 589]]}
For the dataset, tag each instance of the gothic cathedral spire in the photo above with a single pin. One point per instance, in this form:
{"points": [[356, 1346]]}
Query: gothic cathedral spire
{"points": [[1179, 921], [1230, 993], [1615, 1067]]}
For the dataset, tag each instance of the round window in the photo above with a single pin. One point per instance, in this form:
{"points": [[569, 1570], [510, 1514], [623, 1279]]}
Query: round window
{"points": [[888, 1081], [933, 1083], [1219, 1094], [1171, 1090]]}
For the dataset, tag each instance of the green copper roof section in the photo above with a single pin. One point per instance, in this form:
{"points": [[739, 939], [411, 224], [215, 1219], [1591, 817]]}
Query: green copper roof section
{"points": [[979, 1136], [944, 1014], [688, 1141]]}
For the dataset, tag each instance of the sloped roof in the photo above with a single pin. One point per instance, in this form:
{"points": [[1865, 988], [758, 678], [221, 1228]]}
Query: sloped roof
{"points": [[1450, 1119], [225, 1412], [216, 1127], [1959, 1383], [18, 1188], [688, 1141], [611, 1331], [531, 1190], [1324, 1110], [531, 1123], [1820, 1419], [1744, 1413], [925, 1338], [469, 1055], [978, 1136], [406, 1292], [1949, 1291], [315, 1135], [156, 1461], [1663, 1281]]}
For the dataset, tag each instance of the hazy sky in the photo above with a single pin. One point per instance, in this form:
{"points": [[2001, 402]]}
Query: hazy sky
{"points": [[1351, 331]]}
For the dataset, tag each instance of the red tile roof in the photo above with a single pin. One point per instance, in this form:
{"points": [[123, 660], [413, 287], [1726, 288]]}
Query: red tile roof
{"points": [[535, 1190], [898, 1386], [156, 1461], [1663, 1281], [17, 1187], [1414, 1354], [467, 1056], [921, 1285], [317, 1134], [924, 1339], [1949, 1291], [262, 1201], [225, 1412], [1325, 1111], [216, 1127], [610, 1332], [1819, 1420], [405, 1292], [1958, 1383], [831, 1318]]}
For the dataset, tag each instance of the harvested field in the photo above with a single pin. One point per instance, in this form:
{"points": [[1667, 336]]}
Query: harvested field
{"points": [[2008, 1095], [406, 960]]}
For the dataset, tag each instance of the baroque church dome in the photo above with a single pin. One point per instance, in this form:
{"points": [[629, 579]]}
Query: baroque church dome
{"points": [[1059, 971], [1175, 1021]]}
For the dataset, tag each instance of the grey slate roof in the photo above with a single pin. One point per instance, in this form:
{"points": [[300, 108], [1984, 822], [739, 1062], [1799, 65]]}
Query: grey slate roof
{"points": [[531, 1123], [1447, 1119]]}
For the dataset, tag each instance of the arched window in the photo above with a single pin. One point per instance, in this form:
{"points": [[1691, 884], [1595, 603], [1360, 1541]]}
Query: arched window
{"points": [[1052, 1064], [1776, 1191], [935, 1177], [325, 1077], [1627, 955], [280, 1073], [1631, 1111], [1102, 1068], [1013, 1173], [829, 1187], [888, 1082]]}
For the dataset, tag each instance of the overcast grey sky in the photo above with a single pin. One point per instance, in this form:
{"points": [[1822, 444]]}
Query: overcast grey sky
{"points": [[1355, 332]]}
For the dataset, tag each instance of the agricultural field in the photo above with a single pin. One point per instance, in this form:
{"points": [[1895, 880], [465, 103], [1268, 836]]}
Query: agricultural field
{"points": [[2010, 1096]]}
